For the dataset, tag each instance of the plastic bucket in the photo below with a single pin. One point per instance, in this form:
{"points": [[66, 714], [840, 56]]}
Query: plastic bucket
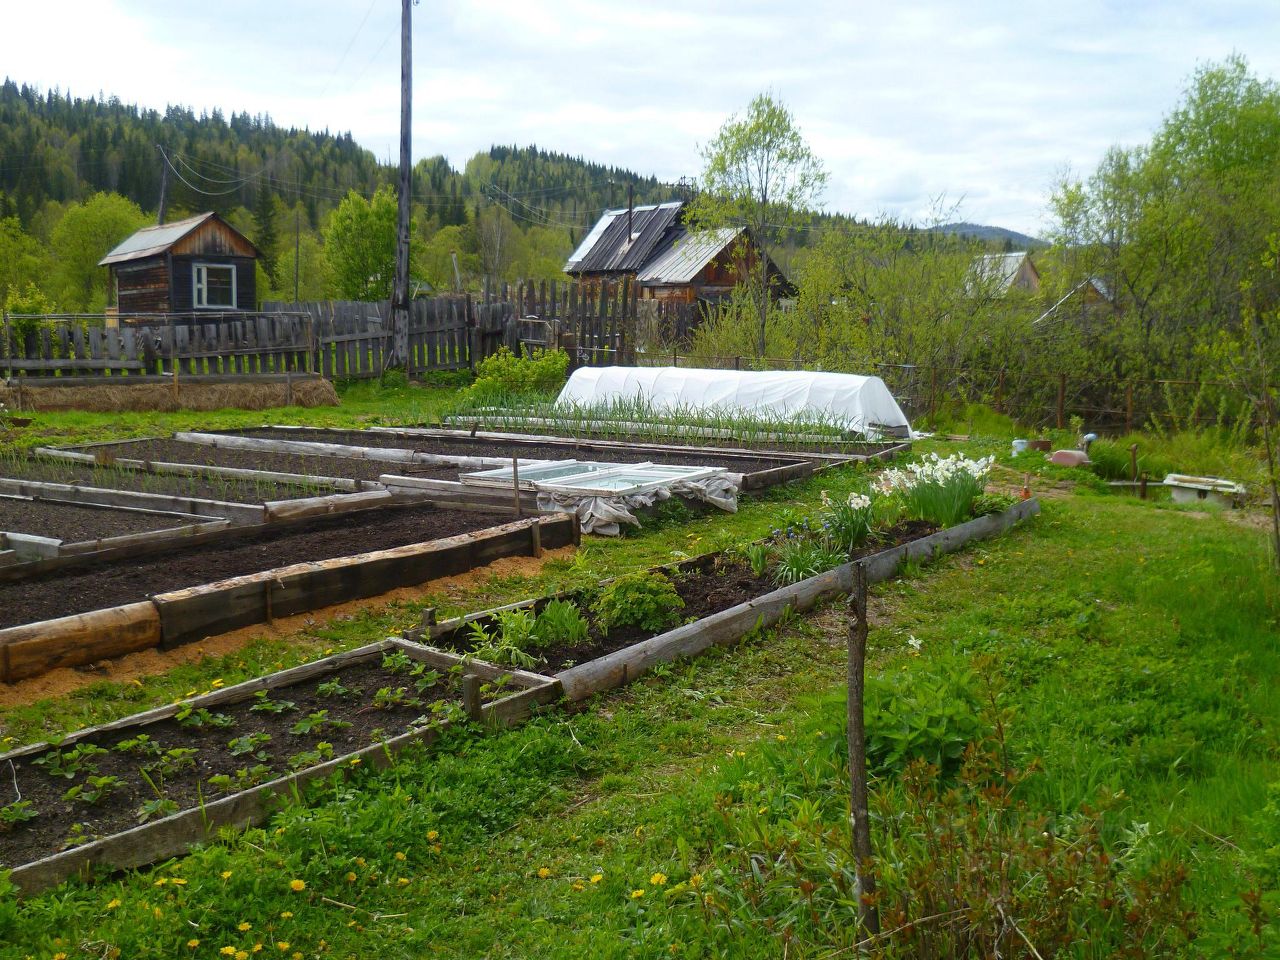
{"points": [[1020, 446]]}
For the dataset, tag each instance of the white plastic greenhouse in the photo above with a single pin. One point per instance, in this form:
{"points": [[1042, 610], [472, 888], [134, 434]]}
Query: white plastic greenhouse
{"points": [[862, 404]]}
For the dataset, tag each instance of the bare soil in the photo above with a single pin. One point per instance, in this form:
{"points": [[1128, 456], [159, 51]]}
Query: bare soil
{"points": [[82, 589], [185, 779], [73, 523]]}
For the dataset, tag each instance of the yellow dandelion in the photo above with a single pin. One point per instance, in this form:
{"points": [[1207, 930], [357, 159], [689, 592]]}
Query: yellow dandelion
{"points": [[190, 693], [637, 894], [193, 943], [297, 886], [351, 876], [356, 761], [59, 956], [296, 956], [113, 903], [179, 881], [695, 881], [228, 951], [244, 926], [359, 861], [781, 738], [597, 877], [225, 874], [157, 912], [433, 835], [216, 683], [279, 831], [161, 882], [257, 948], [399, 855], [579, 885], [544, 872], [282, 945], [436, 848], [242, 955], [402, 881], [658, 879], [286, 915]]}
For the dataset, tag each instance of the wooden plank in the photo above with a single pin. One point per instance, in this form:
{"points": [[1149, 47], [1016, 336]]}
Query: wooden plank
{"points": [[146, 537], [276, 510], [202, 470], [106, 496], [32, 649]]}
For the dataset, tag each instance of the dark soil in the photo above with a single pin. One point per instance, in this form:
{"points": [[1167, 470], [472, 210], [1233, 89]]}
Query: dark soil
{"points": [[717, 584], [214, 488], [83, 589], [72, 523], [176, 451], [59, 820], [488, 448]]}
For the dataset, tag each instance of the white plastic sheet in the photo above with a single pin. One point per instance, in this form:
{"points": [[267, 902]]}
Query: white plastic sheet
{"points": [[861, 404], [605, 515]]}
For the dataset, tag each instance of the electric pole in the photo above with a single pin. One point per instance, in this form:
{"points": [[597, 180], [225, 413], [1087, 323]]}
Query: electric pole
{"points": [[400, 291], [164, 185]]}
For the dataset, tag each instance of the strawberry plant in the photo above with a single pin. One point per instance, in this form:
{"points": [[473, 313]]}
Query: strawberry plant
{"points": [[201, 717], [94, 790], [645, 600], [250, 743], [70, 763], [20, 811], [264, 704], [159, 807], [317, 722]]}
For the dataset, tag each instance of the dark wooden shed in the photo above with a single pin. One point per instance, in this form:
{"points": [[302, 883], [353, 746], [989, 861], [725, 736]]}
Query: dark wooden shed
{"points": [[201, 263]]}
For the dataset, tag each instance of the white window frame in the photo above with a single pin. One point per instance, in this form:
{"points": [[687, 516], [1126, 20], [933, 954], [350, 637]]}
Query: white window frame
{"points": [[200, 286]]}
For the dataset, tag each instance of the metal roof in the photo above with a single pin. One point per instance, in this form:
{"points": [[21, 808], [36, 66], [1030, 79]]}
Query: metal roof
{"points": [[608, 248], [150, 241], [687, 254]]}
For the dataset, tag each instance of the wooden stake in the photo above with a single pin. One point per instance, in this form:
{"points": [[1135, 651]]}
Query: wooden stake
{"points": [[535, 533], [471, 697], [515, 484], [859, 814]]}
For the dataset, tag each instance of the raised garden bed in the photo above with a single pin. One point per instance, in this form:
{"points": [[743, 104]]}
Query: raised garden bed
{"points": [[71, 618], [72, 522], [211, 488], [721, 592], [149, 786]]}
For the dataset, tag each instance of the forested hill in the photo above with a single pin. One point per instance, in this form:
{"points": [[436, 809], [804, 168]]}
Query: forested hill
{"points": [[59, 148]]}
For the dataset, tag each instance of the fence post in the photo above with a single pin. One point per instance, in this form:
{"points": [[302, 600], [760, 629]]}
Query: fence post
{"points": [[1062, 400]]}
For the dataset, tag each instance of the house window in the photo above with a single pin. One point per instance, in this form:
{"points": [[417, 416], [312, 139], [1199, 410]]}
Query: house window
{"points": [[214, 285]]}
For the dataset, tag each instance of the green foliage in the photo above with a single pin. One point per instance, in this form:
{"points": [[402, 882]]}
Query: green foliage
{"points": [[250, 743], [71, 762], [94, 790], [262, 703], [360, 245], [560, 623], [200, 718], [800, 558], [17, 812], [930, 714], [649, 601], [505, 375], [82, 237]]}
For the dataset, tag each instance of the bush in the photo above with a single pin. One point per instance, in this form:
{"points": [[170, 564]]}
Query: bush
{"points": [[645, 600], [505, 374]]}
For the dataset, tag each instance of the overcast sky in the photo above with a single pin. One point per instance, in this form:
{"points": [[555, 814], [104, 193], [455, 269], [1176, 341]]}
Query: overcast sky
{"points": [[984, 103]]}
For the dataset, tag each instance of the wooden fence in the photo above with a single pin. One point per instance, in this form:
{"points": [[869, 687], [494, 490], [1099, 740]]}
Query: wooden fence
{"points": [[602, 323]]}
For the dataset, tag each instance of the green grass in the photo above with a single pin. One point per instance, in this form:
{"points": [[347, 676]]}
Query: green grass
{"points": [[1135, 655]]}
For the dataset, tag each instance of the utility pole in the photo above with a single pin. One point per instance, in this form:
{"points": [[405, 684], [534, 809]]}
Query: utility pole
{"points": [[400, 292], [297, 243], [164, 185]]}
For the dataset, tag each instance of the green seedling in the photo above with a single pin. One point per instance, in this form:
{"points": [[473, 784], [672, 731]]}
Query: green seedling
{"points": [[94, 790], [264, 704], [13, 814], [159, 807], [200, 718], [250, 743], [69, 763], [140, 746], [316, 722]]}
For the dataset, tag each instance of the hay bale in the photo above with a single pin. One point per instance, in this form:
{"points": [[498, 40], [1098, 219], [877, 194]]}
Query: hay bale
{"points": [[117, 397]]}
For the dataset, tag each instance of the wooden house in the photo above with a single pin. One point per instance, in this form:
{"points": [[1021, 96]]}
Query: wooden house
{"points": [[652, 247], [188, 266], [1006, 273]]}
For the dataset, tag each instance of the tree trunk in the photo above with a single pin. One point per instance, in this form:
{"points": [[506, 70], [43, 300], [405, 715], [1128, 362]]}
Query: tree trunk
{"points": [[764, 298], [858, 805]]}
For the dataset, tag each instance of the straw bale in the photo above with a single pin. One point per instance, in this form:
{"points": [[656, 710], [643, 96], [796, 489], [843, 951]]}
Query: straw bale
{"points": [[118, 397]]}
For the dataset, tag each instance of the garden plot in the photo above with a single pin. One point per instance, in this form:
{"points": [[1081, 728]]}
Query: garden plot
{"points": [[32, 529], [149, 786], [71, 617]]}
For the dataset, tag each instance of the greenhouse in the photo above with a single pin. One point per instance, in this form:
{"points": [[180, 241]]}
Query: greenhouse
{"points": [[861, 404]]}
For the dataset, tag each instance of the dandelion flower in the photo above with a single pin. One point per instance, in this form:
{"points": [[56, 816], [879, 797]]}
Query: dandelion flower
{"points": [[781, 738], [637, 894], [544, 872], [351, 876], [282, 945], [228, 951], [216, 683], [597, 877], [658, 879], [113, 903], [244, 926], [225, 874], [193, 943], [695, 881], [242, 955], [297, 886], [402, 881], [161, 882], [179, 881], [286, 915], [433, 835], [579, 885], [356, 761], [257, 948], [399, 855]]}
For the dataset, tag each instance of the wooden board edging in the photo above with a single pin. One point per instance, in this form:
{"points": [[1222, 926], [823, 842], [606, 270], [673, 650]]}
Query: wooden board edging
{"points": [[728, 626], [110, 497], [31, 649], [176, 834]]}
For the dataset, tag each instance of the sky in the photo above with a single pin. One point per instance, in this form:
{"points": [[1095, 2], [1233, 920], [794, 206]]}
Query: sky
{"points": [[972, 108]]}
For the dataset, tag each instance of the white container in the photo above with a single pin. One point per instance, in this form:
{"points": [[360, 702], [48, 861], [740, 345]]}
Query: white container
{"points": [[1187, 489], [1020, 446]]}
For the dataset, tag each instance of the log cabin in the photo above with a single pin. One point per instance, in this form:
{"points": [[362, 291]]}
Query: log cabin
{"points": [[188, 266], [652, 247]]}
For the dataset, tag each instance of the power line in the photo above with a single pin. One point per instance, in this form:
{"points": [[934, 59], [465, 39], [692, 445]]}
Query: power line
{"points": [[350, 43]]}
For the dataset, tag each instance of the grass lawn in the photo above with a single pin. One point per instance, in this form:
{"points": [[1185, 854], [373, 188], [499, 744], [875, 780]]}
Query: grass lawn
{"points": [[1126, 655]]}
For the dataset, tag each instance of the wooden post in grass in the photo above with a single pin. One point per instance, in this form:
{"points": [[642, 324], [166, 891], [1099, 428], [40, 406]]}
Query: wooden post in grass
{"points": [[471, 697], [515, 485], [868, 915]]}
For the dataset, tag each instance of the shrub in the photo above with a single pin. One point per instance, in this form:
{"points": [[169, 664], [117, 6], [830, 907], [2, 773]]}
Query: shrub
{"points": [[645, 600], [505, 374], [559, 623]]}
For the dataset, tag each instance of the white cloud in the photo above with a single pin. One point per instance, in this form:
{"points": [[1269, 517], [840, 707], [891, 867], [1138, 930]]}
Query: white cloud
{"points": [[905, 102]]}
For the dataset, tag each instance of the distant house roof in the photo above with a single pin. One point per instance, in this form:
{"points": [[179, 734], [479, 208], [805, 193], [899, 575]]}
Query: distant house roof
{"points": [[1007, 270], [150, 241], [608, 248], [686, 254]]}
